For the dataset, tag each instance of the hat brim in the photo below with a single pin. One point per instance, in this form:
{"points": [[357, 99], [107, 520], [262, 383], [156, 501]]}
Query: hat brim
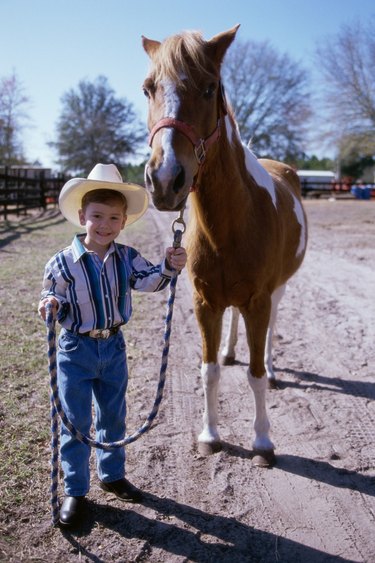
{"points": [[70, 199]]}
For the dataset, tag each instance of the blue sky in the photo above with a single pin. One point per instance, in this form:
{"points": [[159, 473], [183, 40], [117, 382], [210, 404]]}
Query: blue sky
{"points": [[53, 44]]}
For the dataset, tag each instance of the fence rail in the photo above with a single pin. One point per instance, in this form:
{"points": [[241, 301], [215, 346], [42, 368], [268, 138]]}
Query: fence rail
{"points": [[20, 192], [316, 189]]}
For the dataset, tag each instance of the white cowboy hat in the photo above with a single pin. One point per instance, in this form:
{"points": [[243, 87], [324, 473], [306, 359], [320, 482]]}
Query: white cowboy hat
{"points": [[102, 176]]}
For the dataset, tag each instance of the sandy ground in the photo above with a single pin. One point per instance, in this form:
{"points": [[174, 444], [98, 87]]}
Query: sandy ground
{"points": [[317, 504]]}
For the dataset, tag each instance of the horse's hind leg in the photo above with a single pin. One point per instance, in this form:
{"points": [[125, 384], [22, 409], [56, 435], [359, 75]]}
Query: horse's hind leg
{"points": [[275, 298], [209, 439], [228, 352], [210, 325], [256, 320]]}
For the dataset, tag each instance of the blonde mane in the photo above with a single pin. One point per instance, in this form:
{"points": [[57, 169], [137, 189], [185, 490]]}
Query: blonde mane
{"points": [[178, 55]]}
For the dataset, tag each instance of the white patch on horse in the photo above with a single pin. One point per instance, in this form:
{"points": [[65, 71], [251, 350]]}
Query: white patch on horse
{"points": [[210, 376], [171, 105], [301, 220], [261, 422], [260, 175]]}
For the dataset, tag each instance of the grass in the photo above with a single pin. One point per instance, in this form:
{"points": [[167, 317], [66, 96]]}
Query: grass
{"points": [[25, 246]]}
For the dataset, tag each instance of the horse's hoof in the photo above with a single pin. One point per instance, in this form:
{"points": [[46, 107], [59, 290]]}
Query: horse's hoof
{"points": [[209, 448], [264, 458], [228, 360], [273, 384]]}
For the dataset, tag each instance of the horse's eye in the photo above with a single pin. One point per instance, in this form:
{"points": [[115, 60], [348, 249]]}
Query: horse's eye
{"points": [[148, 87], [210, 90]]}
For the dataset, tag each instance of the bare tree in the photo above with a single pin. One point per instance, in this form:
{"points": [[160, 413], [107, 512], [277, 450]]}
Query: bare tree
{"points": [[347, 67], [95, 126], [13, 104], [269, 94]]}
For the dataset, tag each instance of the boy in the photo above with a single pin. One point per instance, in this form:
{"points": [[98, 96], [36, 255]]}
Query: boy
{"points": [[89, 286]]}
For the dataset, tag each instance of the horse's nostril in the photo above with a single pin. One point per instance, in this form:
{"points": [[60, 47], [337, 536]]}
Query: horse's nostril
{"points": [[179, 180]]}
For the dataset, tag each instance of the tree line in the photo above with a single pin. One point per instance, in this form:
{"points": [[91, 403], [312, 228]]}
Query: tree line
{"points": [[277, 111]]}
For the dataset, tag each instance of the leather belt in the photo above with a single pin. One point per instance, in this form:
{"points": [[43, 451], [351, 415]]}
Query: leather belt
{"points": [[102, 332]]}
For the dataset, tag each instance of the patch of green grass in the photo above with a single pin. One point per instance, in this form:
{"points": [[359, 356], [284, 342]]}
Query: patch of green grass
{"points": [[25, 247], [26, 244]]}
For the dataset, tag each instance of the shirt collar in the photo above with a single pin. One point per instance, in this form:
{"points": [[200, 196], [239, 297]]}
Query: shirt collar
{"points": [[79, 248]]}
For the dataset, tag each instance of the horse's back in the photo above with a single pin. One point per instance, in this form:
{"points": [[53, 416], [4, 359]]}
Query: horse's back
{"points": [[284, 173]]}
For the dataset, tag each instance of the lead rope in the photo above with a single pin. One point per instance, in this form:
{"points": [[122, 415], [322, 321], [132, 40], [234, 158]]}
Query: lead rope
{"points": [[57, 411]]}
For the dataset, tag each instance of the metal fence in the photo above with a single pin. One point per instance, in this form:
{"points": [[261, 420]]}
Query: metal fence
{"points": [[21, 190], [317, 189], [24, 188]]}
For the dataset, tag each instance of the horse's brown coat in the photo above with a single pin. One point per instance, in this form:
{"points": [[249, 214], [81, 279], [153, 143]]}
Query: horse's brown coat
{"points": [[242, 244]]}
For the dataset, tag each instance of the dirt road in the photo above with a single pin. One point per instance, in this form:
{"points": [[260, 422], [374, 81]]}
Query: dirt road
{"points": [[318, 503]]}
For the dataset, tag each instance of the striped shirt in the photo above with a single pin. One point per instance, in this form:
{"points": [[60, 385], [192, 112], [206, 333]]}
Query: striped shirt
{"points": [[93, 294]]}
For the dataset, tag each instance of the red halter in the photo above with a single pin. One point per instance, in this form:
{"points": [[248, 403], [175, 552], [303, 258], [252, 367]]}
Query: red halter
{"points": [[200, 145]]}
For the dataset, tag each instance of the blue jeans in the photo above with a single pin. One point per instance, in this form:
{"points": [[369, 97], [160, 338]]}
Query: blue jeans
{"points": [[92, 369]]}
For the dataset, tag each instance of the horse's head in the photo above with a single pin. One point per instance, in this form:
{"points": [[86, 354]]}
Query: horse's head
{"points": [[185, 104]]}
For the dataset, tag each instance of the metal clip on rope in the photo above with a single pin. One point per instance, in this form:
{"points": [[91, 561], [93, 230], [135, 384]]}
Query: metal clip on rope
{"points": [[177, 232], [56, 407]]}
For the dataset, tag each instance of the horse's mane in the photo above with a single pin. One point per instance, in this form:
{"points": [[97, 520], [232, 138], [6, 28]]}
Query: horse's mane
{"points": [[178, 55]]}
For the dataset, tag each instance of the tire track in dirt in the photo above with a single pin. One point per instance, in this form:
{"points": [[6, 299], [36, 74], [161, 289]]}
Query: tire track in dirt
{"points": [[179, 408], [318, 503], [338, 403], [298, 500]]}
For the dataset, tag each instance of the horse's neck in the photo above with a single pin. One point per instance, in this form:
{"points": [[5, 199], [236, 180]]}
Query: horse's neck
{"points": [[223, 195]]}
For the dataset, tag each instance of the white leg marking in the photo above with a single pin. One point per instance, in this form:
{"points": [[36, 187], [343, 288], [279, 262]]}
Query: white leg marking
{"points": [[210, 376], [276, 298], [261, 422], [231, 338]]}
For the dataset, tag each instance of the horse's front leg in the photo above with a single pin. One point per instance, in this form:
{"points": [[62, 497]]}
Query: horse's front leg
{"points": [[257, 317], [210, 323]]}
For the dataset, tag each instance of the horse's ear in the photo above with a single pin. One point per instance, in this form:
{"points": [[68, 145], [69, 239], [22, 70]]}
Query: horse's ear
{"points": [[150, 45], [218, 45]]}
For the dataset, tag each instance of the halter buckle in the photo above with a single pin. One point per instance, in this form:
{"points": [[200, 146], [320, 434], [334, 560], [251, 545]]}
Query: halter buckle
{"points": [[200, 151]]}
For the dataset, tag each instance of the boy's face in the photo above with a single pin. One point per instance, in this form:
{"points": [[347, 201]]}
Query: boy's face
{"points": [[103, 223]]}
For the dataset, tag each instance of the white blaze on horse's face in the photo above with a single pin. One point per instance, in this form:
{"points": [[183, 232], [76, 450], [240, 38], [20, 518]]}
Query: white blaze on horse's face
{"points": [[169, 172], [171, 107]]}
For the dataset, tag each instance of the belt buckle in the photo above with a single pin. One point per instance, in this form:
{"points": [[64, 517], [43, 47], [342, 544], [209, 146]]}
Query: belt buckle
{"points": [[104, 333]]}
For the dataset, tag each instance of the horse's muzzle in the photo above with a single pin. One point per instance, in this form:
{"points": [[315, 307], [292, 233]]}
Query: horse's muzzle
{"points": [[163, 204], [168, 190]]}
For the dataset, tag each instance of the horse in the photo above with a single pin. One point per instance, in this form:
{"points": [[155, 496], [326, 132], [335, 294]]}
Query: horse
{"points": [[247, 229]]}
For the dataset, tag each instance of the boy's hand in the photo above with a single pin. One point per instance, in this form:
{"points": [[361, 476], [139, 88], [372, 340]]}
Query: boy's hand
{"points": [[42, 306], [176, 257]]}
